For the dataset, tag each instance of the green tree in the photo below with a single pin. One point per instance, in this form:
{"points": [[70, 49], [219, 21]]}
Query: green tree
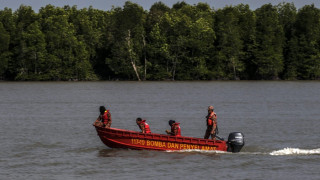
{"points": [[155, 14], [34, 53], [67, 58], [177, 40], [229, 44], [159, 54], [176, 25], [200, 43], [7, 65], [87, 24], [247, 31], [270, 40], [185, 42], [128, 41], [308, 40], [182, 42], [4, 50], [157, 46], [24, 17], [287, 18]]}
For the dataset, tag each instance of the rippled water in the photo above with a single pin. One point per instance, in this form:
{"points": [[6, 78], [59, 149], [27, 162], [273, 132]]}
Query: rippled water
{"points": [[46, 129]]}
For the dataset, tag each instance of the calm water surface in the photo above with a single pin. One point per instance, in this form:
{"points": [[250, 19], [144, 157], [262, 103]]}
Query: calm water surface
{"points": [[46, 129]]}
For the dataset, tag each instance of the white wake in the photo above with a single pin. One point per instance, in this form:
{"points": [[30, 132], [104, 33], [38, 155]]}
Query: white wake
{"points": [[198, 151], [282, 152], [295, 151]]}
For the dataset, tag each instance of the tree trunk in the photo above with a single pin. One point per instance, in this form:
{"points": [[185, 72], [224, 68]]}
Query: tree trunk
{"points": [[174, 69], [145, 58], [234, 69], [130, 55]]}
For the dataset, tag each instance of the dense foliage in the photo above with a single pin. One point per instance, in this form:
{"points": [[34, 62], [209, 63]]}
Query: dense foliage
{"points": [[185, 42]]}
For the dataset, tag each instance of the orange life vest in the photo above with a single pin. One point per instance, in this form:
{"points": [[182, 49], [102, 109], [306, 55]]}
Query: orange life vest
{"points": [[104, 118], [173, 127], [210, 119], [146, 126]]}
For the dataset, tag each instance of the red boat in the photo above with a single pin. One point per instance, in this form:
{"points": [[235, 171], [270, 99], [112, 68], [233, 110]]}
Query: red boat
{"points": [[119, 138]]}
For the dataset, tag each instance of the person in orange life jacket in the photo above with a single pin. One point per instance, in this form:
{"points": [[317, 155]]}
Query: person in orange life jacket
{"points": [[145, 128], [211, 124], [175, 128], [104, 119]]}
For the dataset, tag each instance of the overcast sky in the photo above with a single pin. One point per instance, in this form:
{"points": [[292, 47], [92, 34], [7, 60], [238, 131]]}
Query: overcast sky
{"points": [[146, 4]]}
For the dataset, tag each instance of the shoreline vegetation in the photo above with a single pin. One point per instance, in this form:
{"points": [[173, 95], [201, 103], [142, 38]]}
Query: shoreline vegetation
{"points": [[183, 42]]}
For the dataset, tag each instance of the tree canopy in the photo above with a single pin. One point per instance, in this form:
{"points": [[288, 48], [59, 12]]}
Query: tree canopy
{"points": [[184, 42]]}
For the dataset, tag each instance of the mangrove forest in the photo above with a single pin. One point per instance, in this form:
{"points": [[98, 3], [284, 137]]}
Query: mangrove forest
{"points": [[182, 42]]}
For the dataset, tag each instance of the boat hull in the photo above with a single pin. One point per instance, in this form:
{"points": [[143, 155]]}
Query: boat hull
{"points": [[118, 138]]}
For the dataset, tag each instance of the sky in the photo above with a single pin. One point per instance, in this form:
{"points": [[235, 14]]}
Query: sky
{"points": [[146, 4]]}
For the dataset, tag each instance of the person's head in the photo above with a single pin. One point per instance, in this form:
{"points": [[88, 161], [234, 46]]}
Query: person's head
{"points": [[138, 120], [210, 109], [102, 109], [171, 122]]}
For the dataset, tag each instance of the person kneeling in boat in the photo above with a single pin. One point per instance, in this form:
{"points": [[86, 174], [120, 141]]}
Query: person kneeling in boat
{"points": [[145, 128], [104, 119], [175, 128], [212, 128]]}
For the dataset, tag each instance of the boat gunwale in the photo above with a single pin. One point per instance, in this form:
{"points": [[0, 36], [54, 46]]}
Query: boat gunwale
{"points": [[159, 137]]}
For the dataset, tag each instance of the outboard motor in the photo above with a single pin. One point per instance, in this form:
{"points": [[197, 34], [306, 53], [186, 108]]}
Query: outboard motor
{"points": [[235, 142]]}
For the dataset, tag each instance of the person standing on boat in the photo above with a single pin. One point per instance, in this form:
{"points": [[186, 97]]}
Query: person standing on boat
{"points": [[145, 128], [211, 124], [104, 119], [175, 128]]}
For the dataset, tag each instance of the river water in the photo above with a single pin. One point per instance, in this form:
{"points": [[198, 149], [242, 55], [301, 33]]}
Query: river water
{"points": [[46, 129]]}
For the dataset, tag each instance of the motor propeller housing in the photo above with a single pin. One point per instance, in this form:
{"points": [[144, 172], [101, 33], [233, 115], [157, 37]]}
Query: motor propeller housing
{"points": [[235, 142]]}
